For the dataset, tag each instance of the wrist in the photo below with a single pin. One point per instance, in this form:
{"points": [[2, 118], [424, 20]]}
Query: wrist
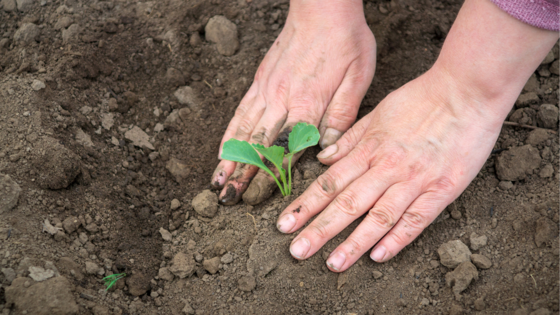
{"points": [[327, 11]]}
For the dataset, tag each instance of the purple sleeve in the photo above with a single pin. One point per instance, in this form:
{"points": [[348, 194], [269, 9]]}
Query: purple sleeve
{"points": [[540, 13]]}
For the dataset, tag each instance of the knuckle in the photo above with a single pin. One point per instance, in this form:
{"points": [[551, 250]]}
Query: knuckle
{"points": [[394, 158], [402, 238], [355, 245], [319, 229], [347, 203], [443, 186], [383, 215], [245, 128], [327, 183], [415, 219]]}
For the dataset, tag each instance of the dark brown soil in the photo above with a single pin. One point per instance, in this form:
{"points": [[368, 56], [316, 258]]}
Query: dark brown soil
{"points": [[57, 143]]}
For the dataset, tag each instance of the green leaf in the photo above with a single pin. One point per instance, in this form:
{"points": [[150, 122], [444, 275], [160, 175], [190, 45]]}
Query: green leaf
{"points": [[303, 136], [242, 152], [274, 154]]}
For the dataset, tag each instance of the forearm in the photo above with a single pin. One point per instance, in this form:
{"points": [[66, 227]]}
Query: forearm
{"points": [[489, 55]]}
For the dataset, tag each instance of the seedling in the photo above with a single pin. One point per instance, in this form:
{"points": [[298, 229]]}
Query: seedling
{"points": [[302, 136], [112, 279]]}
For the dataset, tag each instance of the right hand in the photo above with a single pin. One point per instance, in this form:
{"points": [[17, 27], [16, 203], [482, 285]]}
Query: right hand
{"points": [[317, 71]]}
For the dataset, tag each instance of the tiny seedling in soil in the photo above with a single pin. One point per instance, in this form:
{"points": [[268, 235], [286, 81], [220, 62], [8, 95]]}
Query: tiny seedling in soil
{"points": [[302, 136], [112, 279]]}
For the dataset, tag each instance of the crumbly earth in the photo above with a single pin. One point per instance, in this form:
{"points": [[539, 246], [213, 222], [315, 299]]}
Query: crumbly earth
{"points": [[93, 133]]}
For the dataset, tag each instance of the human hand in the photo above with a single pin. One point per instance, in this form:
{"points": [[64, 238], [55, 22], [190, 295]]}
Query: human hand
{"points": [[401, 165], [317, 71]]}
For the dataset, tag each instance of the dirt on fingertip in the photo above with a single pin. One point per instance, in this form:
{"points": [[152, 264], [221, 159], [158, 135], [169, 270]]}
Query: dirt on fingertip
{"points": [[111, 115]]}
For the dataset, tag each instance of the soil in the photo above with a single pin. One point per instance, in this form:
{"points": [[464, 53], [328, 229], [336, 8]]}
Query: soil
{"points": [[94, 136]]}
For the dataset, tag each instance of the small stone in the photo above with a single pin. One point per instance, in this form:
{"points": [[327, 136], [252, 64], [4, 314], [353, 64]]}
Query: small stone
{"points": [[165, 274], [83, 138], [187, 309], [227, 258], [206, 203], [71, 224], [477, 242], [461, 277], [10, 191], [91, 268], [9, 5], [212, 265], [9, 274], [479, 304], [183, 265], [153, 156], [184, 113], [27, 33], [63, 23], [546, 230], [174, 77], [139, 138], [547, 117], [505, 185], [25, 5], [527, 99], [481, 261], [453, 253], [187, 96], [165, 235], [246, 283], [547, 171], [179, 169], [138, 284], [40, 274], [107, 120], [456, 214], [37, 85], [424, 302], [377, 274], [159, 127], [515, 163], [175, 204], [223, 32]]}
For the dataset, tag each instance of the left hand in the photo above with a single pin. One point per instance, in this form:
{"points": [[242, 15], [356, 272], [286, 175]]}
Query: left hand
{"points": [[402, 164]]}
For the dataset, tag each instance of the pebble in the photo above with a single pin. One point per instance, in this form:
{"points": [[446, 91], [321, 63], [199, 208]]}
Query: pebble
{"points": [[223, 32], [165, 274], [477, 242], [453, 253], [91, 268], [481, 261], [153, 156], [187, 96], [377, 274], [227, 258], [37, 85], [175, 204], [10, 192], [547, 171], [165, 234], [27, 33], [547, 117], [25, 5], [187, 309], [212, 265], [246, 283], [183, 265], [139, 138], [527, 99], [39, 274], [179, 169], [546, 230], [461, 277], [83, 138], [206, 203], [9, 5], [456, 214], [505, 185], [63, 23], [479, 304], [107, 120], [71, 224], [515, 163]]}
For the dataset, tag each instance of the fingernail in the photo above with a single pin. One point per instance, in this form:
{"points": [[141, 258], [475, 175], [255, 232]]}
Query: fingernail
{"points": [[219, 179], [328, 152], [329, 137], [286, 223], [336, 261], [300, 248], [378, 254]]}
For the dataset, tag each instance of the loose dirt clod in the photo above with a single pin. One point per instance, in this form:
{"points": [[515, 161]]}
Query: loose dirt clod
{"points": [[453, 253], [206, 203]]}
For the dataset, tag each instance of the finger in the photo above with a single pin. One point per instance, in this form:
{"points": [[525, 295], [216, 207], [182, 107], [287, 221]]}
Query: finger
{"points": [[323, 190], [226, 168], [343, 108], [417, 217], [377, 222], [348, 206], [346, 144]]}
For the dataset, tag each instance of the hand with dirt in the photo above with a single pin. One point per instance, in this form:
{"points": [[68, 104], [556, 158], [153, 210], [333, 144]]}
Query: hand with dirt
{"points": [[403, 163], [317, 71]]}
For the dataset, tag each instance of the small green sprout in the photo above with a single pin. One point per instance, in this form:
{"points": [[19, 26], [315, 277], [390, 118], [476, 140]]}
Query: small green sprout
{"points": [[112, 279], [302, 136]]}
